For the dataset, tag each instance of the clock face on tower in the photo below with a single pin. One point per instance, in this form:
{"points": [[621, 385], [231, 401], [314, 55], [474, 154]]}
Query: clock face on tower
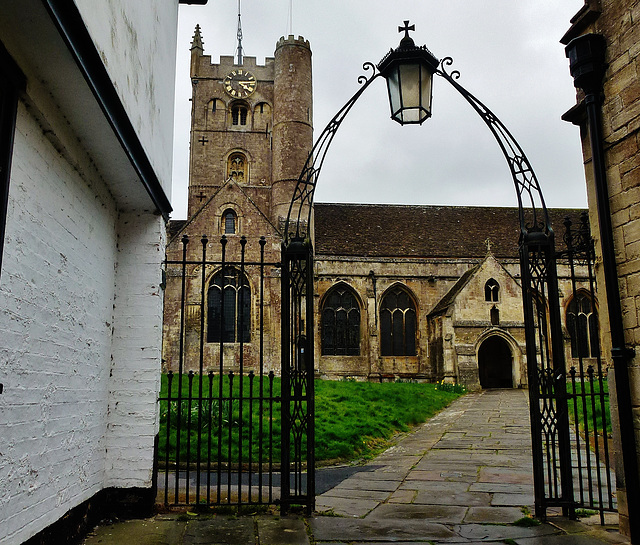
{"points": [[239, 83]]}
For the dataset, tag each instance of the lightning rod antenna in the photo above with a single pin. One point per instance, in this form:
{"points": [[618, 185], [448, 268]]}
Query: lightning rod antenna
{"points": [[240, 52]]}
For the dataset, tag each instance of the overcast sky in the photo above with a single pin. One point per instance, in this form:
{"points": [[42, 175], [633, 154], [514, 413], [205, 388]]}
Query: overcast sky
{"points": [[508, 54]]}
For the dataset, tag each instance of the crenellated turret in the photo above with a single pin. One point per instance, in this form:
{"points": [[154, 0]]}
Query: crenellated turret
{"points": [[292, 120]]}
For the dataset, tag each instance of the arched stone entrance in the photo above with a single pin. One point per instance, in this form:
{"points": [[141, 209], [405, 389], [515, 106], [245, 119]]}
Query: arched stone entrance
{"points": [[495, 363]]}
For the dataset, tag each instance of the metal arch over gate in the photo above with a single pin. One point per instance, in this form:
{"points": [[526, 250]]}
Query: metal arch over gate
{"points": [[221, 401], [547, 371]]}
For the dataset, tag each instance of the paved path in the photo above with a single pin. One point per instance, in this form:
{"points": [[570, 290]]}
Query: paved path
{"points": [[463, 477]]}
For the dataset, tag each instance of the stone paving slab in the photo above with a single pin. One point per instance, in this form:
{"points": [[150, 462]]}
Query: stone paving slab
{"points": [[345, 507], [403, 496], [509, 488], [378, 495], [559, 540], [490, 532], [450, 514], [281, 531], [505, 475], [220, 531], [138, 532], [494, 515], [435, 487], [461, 498], [356, 483], [376, 530], [503, 498], [388, 475]]}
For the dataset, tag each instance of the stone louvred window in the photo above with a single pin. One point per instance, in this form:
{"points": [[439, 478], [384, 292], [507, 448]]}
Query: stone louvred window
{"points": [[229, 307], [582, 324], [398, 324], [239, 115], [340, 323], [492, 291]]}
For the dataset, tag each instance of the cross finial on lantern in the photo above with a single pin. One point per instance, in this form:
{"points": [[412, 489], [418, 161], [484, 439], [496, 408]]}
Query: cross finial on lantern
{"points": [[406, 28]]}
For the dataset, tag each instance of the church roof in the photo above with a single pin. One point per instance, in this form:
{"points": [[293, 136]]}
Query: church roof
{"points": [[386, 230], [451, 295]]}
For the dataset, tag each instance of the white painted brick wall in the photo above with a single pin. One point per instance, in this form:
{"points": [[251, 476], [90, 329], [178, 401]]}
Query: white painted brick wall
{"points": [[137, 344], [138, 40], [56, 298], [80, 338]]}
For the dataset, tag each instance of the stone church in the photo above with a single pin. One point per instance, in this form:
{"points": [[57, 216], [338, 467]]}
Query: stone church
{"points": [[424, 293]]}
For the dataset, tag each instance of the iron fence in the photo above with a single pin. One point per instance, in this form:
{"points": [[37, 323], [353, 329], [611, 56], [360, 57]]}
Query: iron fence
{"points": [[589, 396], [220, 401]]}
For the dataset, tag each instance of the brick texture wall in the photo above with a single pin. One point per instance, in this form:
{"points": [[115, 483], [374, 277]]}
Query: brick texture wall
{"points": [[80, 323], [56, 300]]}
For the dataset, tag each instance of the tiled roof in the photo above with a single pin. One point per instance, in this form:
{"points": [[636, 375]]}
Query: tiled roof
{"points": [[451, 295], [384, 230]]}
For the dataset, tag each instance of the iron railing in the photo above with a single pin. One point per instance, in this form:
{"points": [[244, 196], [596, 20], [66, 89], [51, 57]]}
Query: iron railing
{"points": [[220, 403]]}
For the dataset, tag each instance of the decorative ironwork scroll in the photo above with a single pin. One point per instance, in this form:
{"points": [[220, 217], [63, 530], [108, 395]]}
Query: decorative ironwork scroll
{"points": [[299, 216]]}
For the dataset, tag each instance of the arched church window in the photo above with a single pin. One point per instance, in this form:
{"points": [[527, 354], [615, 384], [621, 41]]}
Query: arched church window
{"points": [[582, 324], [340, 327], [491, 291], [229, 220], [229, 307], [237, 167], [239, 115], [398, 324]]}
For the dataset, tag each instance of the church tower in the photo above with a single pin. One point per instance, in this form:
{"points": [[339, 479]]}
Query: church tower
{"points": [[251, 133], [252, 127]]}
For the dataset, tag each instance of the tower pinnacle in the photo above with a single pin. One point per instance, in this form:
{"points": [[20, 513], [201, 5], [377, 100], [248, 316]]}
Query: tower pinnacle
{"points": [[196, 42]]}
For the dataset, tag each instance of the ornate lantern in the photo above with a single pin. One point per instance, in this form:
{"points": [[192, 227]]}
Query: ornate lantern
{"points": [[409, 73]]}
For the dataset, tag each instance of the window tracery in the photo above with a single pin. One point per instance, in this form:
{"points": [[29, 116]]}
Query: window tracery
{"points": [[237, 168], [229, 307], [492, 291], [340, 323], [398, 324], [582, 324]]}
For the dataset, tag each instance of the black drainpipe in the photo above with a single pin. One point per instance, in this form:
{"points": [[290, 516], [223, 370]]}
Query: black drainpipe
{"points": [[587, 66]]}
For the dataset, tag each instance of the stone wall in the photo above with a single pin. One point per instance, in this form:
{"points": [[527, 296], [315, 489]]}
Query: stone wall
{"points": [[619, 22]]}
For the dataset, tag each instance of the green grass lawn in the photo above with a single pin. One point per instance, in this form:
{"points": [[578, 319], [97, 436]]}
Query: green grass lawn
{"points": [[353, 419], [585, 405], [357, 419]]}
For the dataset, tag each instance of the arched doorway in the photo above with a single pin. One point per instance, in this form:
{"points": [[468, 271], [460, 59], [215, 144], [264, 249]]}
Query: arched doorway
{"points": [[495, 363]]}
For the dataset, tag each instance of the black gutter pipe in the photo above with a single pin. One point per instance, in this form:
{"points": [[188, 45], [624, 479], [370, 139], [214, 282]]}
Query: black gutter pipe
{"points": [[587, 66]]}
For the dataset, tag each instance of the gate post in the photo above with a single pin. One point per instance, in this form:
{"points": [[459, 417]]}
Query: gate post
{"points": [[297, 387], [546, 371]]}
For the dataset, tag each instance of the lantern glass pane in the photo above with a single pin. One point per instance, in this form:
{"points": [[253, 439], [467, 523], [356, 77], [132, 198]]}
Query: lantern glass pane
{"points": [[411, 116], [427, 80], [410, 81], [393, 85]]}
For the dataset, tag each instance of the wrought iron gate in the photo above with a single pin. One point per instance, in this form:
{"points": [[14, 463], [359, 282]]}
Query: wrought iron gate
{"points": [[569, 411], [236, 422], [589, 397]]}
